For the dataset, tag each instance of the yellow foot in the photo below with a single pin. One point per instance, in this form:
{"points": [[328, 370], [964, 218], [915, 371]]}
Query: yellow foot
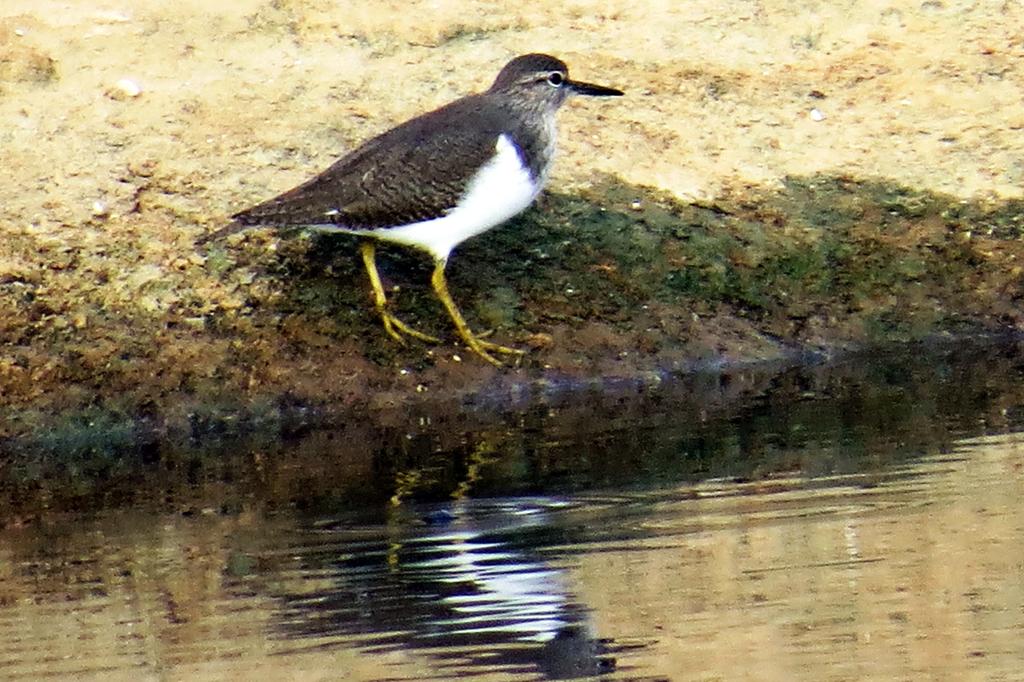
{"points": [[393, 325], [475, 342], [485, 348]]}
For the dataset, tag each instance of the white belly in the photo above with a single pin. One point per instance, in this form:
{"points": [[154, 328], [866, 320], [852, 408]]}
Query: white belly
{"points": [[500, 189]]}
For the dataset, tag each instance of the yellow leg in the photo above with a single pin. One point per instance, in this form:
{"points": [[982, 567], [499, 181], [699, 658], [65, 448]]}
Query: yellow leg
{"points": [[392, 325], [475, 343]]}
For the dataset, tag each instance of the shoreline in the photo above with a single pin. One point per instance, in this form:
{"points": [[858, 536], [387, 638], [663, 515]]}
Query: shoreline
{"points": [[796, 177], [617, 281]]}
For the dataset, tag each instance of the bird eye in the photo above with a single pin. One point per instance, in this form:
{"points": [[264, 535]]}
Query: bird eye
{"points": [[555, 79]]}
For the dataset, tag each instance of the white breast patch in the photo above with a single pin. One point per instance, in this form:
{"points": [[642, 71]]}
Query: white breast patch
{"points": [[499, 190]]}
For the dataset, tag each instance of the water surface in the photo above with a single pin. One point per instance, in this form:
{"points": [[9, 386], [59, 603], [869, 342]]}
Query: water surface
{"points": [[861, 521]]}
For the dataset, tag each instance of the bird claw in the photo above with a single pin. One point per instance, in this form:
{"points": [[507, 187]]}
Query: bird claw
{"points": [[498, 348], [393, 325], [485, 348]]}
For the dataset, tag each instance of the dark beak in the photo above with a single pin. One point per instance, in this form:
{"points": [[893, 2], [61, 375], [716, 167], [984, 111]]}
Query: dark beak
{"points": [[581, 88]]}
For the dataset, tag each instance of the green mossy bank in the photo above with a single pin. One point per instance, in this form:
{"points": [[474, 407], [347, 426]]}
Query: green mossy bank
{"points": [[613, 282]]}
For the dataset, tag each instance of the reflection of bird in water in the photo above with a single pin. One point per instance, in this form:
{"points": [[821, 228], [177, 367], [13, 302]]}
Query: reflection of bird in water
{"points": [[574, 653], [461, 583], [508, 594]]}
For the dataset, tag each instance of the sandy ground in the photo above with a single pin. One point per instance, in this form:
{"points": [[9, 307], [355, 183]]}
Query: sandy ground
{"points": [[130, 129]]}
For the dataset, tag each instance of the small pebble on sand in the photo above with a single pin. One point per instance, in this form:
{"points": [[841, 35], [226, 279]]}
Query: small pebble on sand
{"points": [[124, 89]]}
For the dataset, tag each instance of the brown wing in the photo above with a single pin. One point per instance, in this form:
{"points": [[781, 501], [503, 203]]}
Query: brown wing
{"points": [[416, 171]]}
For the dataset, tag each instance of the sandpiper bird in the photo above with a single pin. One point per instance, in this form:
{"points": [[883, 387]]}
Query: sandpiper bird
{"points": [[438, 179]]}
